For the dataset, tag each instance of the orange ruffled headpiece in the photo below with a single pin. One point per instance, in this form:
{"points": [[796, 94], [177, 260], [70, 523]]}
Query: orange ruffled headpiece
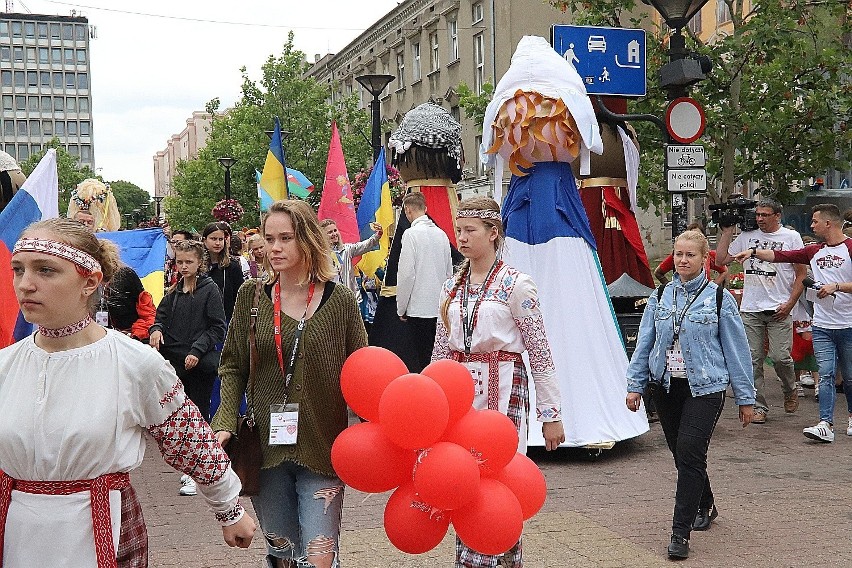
{"points": [[530, 128]]}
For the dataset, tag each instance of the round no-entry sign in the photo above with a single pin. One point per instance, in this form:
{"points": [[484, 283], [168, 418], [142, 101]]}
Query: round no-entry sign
{"points": [[685, 120]]}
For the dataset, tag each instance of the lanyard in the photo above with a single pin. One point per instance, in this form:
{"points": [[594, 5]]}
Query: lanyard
{"points": [[678, 320], [291, 362], [469, 323]]}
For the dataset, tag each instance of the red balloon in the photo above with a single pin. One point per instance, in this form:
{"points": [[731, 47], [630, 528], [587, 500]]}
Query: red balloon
{"points": [[457, 383], [365, 375], [492, 523], [366, 460], [490, 436], [526, 481], [413, 411], [411, 525], [446, 475]]}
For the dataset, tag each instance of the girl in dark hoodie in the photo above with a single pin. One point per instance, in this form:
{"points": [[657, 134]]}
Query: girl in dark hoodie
{"points": [[225, 270]]}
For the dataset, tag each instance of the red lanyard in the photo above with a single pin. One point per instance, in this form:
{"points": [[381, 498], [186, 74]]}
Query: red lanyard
{"points": [[276, 320]]}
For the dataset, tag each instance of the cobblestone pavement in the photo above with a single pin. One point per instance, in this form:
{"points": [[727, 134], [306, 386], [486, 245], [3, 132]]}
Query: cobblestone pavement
{"points": [[784, 501]]}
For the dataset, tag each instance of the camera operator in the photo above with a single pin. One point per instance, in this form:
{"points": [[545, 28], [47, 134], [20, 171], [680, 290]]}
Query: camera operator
{"points": [[832, 324], [769, 293]]}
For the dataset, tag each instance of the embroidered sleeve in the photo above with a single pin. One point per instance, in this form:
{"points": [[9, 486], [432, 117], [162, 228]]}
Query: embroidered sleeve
{"points": [[526, 312], [231, 516]]}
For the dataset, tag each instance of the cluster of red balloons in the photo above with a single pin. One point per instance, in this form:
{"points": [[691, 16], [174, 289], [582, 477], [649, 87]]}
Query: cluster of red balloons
{"points": [[446, 461]]}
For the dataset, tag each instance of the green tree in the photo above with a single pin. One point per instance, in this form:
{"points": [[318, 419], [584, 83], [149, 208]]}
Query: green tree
{"points": [[777, 101], [302, 105], [474, 105], [68, 166], [129, 197]]}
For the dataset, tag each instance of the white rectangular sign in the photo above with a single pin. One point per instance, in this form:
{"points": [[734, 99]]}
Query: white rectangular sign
{"points": [[687, 180], [685, 156]]}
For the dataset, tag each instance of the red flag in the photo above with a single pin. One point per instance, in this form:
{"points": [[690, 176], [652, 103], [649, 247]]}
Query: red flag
{"points": [[336, 203]]}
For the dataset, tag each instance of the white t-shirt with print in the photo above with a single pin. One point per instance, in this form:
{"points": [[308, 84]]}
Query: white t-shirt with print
{"points": [[831, 265], [767, 285]]}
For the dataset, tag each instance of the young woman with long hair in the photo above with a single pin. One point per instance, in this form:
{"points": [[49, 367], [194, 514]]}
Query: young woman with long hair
{"points": [[490, 314], [306, 328], [224, 269], [76, 400]]}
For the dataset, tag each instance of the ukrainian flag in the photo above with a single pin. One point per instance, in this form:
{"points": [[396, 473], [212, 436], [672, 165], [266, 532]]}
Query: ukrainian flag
{"points": [[375, 207], [143, 250], [273, 181]]}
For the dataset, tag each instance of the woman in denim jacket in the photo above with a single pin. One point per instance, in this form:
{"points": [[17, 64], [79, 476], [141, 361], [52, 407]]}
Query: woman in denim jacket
{"points": [[690, 350]]}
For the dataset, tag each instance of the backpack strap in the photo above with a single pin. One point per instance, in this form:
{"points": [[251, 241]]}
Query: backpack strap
{"points": [[720, 294], [660, 291]]}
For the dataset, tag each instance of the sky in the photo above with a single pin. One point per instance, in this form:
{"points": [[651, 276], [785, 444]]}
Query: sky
{"points": [[153, 63]]}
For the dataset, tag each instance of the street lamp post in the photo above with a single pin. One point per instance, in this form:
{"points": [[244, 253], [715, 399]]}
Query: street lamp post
{"points": [[127, 217], [157, 200], [227, 162], [375, 84]]}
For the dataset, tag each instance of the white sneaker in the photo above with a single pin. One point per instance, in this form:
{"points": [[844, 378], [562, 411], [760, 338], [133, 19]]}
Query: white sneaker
{"points": [[184, 479], [822, 432], [800, 391], [807, 380], [189, 488], [849, 427]]}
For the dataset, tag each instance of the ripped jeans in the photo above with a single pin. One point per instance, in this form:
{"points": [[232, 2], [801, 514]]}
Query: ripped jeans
{"points": [[299, 513]]}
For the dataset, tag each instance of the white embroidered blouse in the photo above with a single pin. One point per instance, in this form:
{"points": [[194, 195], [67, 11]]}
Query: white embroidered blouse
{"points": [[82, 413], [510, 320]]}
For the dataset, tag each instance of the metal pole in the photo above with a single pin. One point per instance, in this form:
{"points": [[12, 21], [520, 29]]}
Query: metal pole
{"points": [[228, 182], [377, 127]]}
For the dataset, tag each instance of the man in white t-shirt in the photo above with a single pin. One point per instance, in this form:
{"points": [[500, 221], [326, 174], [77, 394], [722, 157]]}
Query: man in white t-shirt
{"points": [[831, 263], [769, 293]]}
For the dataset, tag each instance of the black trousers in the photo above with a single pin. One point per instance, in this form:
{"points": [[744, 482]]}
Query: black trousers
{"points": [[688, 422], [198, 381], [423, 340]]}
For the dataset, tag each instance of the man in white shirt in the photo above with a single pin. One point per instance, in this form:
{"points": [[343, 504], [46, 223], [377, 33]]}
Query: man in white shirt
{"points": [[831, 263], [343, 253], [424, 265], [769, 293]]}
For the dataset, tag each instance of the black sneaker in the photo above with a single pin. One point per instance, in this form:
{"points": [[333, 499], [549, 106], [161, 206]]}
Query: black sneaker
{"points": [[678, 548], [704, 518]]}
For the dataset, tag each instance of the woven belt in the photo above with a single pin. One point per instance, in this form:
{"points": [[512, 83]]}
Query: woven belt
{"points": [[602, 182], [494, 358], [99, 489]]}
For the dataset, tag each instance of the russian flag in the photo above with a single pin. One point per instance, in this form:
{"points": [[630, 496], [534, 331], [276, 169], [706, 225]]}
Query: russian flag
{"points": [[38, 199], [143, 250]]}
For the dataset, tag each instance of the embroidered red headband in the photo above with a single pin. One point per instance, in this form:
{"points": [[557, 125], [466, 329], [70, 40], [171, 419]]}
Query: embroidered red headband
{"points": [[479, 214], [55, 248]]}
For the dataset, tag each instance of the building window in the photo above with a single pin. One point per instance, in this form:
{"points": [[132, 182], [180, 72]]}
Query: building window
{"points": [[5, 53], [36, 148], [415, 63], [434, 50], [32, 103], [46, 104], [18, 54], [7, 102], [20, 102], [723, 13], [56, 55], [72, 128], [32, 78], [54, 31], [694, 24], [31, 55], [9, 131], [74, 150], [4, 29], [80, 32], [23, 152], [67, 32], [86, 127], [47, 127], [83, 105], [455, 112], [29, 30], [42, 30], [6, 78], [35, 128], [69, 57], [400, 70], [85, 152], [81, 57], [478, 63], [58, 104], [57, 81], [71, 104], [83, 81], [10, 148], [43, 55], [19, 79], [17, 30], [22, 127], [44, 79], [70, 81], [453, 31], [476, 13], [59, 128]]}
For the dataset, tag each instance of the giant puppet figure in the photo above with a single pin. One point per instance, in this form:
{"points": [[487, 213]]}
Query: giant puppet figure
{"points": [[93, 201], [427, 150], [608, 192], [539, 122], [11, 178]]}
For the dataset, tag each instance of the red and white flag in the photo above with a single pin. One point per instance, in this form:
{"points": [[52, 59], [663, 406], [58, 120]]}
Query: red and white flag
{"points": [[336, 203]]}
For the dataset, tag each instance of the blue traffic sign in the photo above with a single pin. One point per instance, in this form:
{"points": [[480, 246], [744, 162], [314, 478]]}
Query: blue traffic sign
{"points": [[611, 61]]}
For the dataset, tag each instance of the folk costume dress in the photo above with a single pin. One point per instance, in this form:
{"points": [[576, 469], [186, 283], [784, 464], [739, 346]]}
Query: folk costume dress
{"points": [[506, 321], [539, 121], [81, 414]]}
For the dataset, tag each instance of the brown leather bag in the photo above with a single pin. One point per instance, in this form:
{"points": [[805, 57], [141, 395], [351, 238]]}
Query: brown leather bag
{"points": [[245, 449]]}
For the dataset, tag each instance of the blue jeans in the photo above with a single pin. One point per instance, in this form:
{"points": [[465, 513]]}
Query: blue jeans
{"points": [[299, 512], [833, 352]]}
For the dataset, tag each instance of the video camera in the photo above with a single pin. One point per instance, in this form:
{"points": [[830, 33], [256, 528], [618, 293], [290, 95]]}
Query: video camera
{"points": [[739, 211]]}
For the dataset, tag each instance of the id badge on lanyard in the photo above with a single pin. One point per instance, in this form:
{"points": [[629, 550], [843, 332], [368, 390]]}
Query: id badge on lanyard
{"points": [[283, 424], [674, 359]]}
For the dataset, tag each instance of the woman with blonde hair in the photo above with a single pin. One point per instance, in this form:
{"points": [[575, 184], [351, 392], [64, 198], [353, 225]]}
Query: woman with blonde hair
{"points": [[76, 400], [255, 247], [490, 314], [691, 346], [306, 326]]}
